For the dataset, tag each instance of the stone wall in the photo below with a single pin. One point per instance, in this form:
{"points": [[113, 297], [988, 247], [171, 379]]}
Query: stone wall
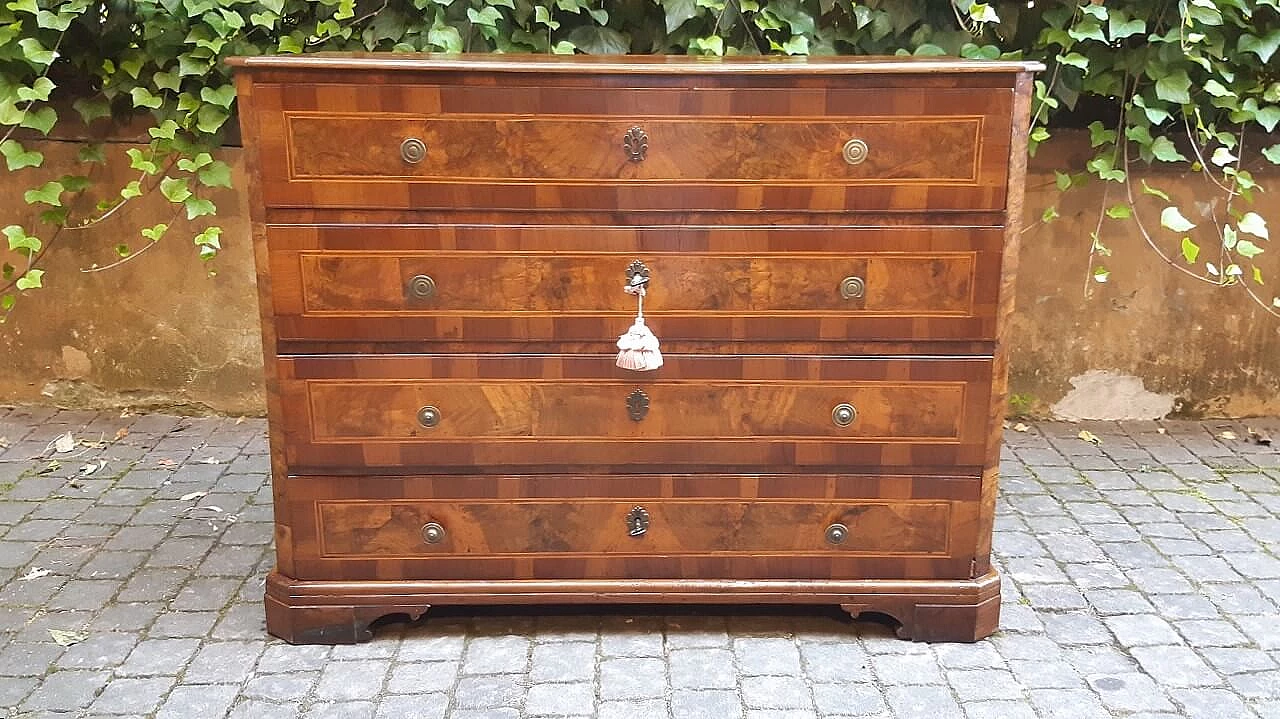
{"points": [[161, 332]]}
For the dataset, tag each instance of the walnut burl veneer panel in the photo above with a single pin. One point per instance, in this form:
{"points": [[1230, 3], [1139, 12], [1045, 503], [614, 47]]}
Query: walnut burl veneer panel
{"points": [[575, 410], [491, 284], [339, 145]]}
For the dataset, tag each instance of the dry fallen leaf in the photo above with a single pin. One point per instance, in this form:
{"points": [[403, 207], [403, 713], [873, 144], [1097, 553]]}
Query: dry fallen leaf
{"points": [[53, 465], [1006, 425], [166, 462], [191, 495], [239, 420], [34, 573], [126, 412], [1227, 434], [66, 639], [4, 442], [64, 443], [1089, 437], [210, 460], [92, 467], [122, 433], [1162, 430], [1020, 427], [1259, 437]]}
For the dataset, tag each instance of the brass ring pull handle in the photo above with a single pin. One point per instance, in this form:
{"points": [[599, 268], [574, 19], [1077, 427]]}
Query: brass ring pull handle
{"points": [[422, 286], [429, 416], [433, 533], [637, 522], [855, 151], [413, 150], [636, 144], [852, 288], [837, 533], [844, 414]]}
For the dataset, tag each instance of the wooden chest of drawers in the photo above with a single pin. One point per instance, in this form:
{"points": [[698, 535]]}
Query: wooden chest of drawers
{"points": [[442, 245]]}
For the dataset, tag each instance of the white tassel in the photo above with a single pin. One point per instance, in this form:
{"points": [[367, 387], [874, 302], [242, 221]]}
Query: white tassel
{"points": [[638, 347]]}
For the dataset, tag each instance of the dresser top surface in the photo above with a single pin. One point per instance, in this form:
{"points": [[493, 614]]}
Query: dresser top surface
{"points": [[631, 64]]}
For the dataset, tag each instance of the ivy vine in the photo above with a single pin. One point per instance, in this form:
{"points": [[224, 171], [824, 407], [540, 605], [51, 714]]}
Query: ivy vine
{"points": [[1192, 83]]}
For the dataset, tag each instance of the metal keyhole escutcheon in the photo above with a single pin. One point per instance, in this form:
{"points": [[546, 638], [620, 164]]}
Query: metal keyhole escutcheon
{"points": [[637, 405], [851, 288], [637, 521], [636, 144], [422, 286]]}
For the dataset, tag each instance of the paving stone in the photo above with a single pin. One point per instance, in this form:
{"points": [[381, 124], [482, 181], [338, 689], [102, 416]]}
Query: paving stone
{"points": [[132, 696], [561, 699], [1142, 630], [907, 669], [702, 669], [29, 659], [281, 687], [849, 700], [776, 693], [922, 701], [758, 656], [1075, 628], [709, 704], [631, 709], [631, 643], [154, 657], [342, 710], [1209, 703], [1264, 630], [1041, 674], [633, 678], [1210, 633], [347, 681], [223, 662], [104, 650], [186, 702], [489, 690], [828, 662], [13, 689], [1175, 666], [66, 691], [417, 706]]}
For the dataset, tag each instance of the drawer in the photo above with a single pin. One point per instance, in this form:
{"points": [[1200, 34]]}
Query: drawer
{"points": [[633, 148], [564, 283], [463, 413], [350, 523]]}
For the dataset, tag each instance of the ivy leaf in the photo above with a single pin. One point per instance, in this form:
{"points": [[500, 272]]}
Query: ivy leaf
{"points": [[1253, 224], [1272, 153], [138, 161], [175, 189], [194, 163], [91, 152], [17, 157], [198, 207], [208, 243], [50, 193], [1174, 87], [1229, 237], [1049, 215], [222, 97], [1165, 151], [983, 13], [27, 6], [1101, 274], [74, 183], [171, 80], [35, 53], [20, 241], [217, 174], [31, 280], [1119, 27], [42, 119], [165, 130], [444, 37], [1247, 249], [1087, 29], [1190, 250], [142, 97], [1217, 89], [1257, 275], [797, 45], [38, 92], [677, 12], [1263, 47], [210, 117], [1074, 59], [487, 16], [599, 40], [155, 232], [1171, 218], [131, 190], [1149, 190], [1222, 157], [1119, 212]]}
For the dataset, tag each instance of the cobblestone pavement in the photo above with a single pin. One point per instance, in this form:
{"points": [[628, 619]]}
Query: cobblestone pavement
{"points": [[1142, 579]]}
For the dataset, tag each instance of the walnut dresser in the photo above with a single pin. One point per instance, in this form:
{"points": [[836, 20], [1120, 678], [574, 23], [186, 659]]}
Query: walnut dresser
{"points": [[442, 246]]}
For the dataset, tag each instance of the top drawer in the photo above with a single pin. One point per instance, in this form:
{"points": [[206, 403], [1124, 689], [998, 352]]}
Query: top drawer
{"points": [[809, 149]]}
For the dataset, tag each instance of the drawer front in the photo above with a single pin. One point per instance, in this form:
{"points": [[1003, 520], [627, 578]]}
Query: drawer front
{"points": [[463, 412], [633, 148], [485, 284], [627, 530]]}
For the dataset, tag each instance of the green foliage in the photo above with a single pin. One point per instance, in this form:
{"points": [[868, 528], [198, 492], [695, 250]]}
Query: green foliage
{"points": [[1178, 83]]}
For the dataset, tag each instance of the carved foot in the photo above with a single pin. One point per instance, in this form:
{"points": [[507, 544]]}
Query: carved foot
{"points": [[937, 622], [329, 624]]}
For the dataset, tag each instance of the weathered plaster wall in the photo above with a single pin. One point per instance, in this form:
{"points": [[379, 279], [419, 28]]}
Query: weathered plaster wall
{"points": [[160, 332]]}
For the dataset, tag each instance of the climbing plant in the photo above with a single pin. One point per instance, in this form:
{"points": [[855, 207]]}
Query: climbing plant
{"points": [[1193, 83]]}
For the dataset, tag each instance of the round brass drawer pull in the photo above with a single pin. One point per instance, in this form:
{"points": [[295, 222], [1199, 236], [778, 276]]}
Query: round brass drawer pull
{"points": [[432, 533], [837, 533], [428, 416], [852, 288], [422, 286], [413, 150], [855, 151], [844, 414]]}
